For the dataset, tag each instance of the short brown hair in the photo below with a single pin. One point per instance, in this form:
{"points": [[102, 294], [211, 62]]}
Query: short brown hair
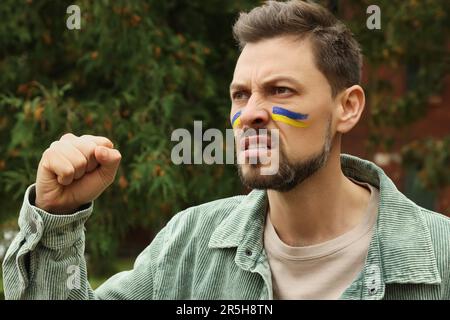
{"points": [[337, 53]]}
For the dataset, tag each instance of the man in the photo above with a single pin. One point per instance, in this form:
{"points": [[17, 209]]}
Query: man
{"points": [[324, 226]]}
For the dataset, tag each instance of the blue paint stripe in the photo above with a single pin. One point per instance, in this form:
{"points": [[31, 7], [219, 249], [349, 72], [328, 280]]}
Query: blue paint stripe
{"points": [[237, 115], [289, 114]]}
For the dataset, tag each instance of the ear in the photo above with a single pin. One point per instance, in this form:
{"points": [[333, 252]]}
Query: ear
{"points": [[350, 107]]}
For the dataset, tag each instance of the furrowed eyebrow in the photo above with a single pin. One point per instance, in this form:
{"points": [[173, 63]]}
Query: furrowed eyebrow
{"points": [[275, 79], [268, 82], [237, 87]]}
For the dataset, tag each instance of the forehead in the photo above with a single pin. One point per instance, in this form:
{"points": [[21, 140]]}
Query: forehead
{"points": [[285, 56]]}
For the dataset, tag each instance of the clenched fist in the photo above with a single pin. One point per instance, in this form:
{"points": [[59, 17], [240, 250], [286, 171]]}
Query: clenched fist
{"points": [[74, 171]]}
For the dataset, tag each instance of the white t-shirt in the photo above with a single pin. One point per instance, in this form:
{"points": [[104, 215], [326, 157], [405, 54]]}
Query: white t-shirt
{"points": [[324, 270]]}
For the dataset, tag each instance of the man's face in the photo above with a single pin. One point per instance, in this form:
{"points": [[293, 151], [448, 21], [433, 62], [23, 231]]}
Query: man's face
{"points": [[282, 72]]}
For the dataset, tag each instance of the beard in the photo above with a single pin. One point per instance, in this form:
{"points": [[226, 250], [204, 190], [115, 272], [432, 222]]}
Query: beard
{"points": [[289, 174]]}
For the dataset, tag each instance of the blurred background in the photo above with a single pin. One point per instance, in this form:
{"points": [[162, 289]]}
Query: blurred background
{"points": [[137, 70]]}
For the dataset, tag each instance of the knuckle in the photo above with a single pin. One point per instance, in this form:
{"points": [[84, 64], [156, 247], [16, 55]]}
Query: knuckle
{"points": [[86, 136], [105, 140], [67, 136], [86, 143], [54, 144], [46, 152]]}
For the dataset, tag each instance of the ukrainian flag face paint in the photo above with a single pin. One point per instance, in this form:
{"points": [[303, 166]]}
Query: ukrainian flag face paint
{"points": [[236, 120], [279, 114], [291, 118]]}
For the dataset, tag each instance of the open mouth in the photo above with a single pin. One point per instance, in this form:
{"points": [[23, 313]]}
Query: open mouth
{"points": [[255, 142]]}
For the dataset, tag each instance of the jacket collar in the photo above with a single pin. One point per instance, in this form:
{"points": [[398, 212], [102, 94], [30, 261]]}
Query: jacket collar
{"points": [[401, 246]]}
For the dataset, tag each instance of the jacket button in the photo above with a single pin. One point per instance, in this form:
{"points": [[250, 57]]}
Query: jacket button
{"points": [[248, 252]]}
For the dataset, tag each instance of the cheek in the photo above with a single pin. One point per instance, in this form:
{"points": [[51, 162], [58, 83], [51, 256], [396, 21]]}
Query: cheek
{"points": [[303, 142], [300, 142]]}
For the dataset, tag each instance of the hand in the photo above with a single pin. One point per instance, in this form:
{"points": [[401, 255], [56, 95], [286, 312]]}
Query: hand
{"points": [[74, 171]]}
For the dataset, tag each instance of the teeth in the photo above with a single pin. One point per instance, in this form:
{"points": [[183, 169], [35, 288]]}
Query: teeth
{"points": [[260, 142], [251, 147], [257, 148], [257, 145]]}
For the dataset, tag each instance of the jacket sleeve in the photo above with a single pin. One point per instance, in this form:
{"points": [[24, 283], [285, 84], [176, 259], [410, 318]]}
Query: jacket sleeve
{"points": [[46, 260]]}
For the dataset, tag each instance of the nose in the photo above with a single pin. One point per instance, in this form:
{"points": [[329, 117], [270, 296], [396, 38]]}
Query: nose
{"points": [[254, 115]]}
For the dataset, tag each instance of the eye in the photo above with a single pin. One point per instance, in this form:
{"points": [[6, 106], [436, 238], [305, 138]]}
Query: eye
{"points": [[240, 95], [281, 91]]}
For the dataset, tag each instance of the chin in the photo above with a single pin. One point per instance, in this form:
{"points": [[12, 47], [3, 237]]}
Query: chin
{"points": [[252, 171], [251, 177]]}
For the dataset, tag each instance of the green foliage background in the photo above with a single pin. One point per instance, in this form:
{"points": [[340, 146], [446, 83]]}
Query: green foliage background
{"points": [[139, 69]]}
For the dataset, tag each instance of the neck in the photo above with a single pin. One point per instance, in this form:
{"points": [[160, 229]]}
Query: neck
{"points": [[321, 208]]}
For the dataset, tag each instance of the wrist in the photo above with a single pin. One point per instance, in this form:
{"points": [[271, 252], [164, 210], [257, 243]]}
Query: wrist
{"points": [[53, 208]]}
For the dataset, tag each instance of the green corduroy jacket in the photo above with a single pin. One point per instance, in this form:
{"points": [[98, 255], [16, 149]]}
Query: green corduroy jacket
{"points": [[215, 251]]}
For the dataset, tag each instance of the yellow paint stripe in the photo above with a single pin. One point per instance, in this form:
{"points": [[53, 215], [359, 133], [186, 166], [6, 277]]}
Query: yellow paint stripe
{"points": [[237, 122], [289, 121]]}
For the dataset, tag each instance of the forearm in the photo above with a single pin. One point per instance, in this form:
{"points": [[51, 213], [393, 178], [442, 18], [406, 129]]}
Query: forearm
{"points": [[46, 259]]}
